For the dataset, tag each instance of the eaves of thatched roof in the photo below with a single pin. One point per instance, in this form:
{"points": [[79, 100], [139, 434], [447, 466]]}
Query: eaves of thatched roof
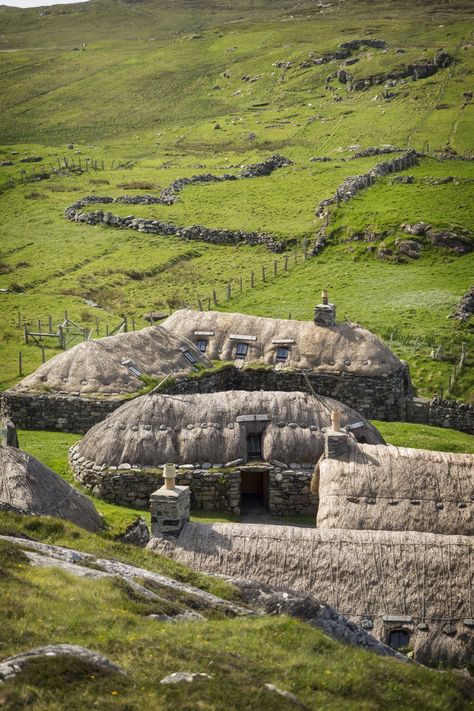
{"points": [[28, 486], [397, 489], [112, 365], [154, 429], [343, 348]]}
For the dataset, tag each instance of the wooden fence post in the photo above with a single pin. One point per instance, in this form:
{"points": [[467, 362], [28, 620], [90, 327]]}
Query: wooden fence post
{"points": [[20, 363], [228, 290], [208, 303], [214, 297], [252, 279], [25, 332], [50, 323], [286, 262], [43, 357], [241, 284], [199, 304], [133, 323], [19, 319], [263, 273], [275, 267]]}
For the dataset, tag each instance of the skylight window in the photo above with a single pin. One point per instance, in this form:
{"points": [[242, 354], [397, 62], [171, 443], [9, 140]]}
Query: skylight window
{"points": [[282, 354], [134, 369], [202, 344], [190, 357]]}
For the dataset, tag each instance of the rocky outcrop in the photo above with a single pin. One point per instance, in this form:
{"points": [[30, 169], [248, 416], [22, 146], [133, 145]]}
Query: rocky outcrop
{"points": [[354, 184], [374, 151], [12, 666], [420, 69], [137, 534], [344, 51], [457, 242], [465, 308]]}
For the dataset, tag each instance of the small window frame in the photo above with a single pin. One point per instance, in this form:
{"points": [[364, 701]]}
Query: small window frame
{"points": [[282, 354], [400, 643], [241, 349], [200, 343]]}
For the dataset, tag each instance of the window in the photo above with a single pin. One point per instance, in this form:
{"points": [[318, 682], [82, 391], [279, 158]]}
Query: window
{"points": [[254, 446], [241, 350], [282, 354], [132, 368], [189, 356], [202, 345], [399, 639]]}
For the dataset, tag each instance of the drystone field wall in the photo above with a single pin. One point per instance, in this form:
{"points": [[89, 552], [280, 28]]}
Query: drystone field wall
{"points": [[383, 398], [442, 413], [354, 184], [213, 487], [386, 398], [57, 413], [168, 196]]}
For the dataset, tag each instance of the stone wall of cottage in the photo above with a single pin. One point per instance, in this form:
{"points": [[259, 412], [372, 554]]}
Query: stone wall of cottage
{"points": [[212, 489]]}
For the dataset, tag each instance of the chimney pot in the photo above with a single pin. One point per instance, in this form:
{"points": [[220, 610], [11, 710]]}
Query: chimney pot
{"points": [[325, 297], [169, 475]]}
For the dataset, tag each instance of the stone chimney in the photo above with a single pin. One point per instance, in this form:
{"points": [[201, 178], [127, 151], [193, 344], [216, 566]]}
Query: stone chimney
{"points": [[325, 313], [169, 506], [335, 441]]}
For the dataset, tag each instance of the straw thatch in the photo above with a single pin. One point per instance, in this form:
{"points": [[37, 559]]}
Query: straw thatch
{"points": [[154, 428], [424, 580], [344, 348], [28, 486], [96, 366], [397, 489]]}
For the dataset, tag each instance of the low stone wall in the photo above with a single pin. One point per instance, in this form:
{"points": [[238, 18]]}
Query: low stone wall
{"points": [[211, 490], [58, 413], [383, 398], [442, 413], [354, 184]]}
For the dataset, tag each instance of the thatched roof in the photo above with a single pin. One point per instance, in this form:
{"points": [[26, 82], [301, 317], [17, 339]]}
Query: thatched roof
{"points": [[397, 489], [422, 577], [346, 348], [28, 486], [96, 366], [154, 428]]}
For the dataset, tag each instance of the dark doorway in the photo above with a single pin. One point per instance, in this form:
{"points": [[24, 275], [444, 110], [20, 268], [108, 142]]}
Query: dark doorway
{"points": [[254, 446], [254, 490]]}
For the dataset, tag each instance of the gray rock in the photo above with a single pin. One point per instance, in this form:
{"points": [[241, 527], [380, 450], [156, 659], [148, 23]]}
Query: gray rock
{"points": [[178, 677]]}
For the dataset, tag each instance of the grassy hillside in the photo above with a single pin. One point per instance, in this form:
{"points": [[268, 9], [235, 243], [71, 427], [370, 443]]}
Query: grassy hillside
{"points": [[147, 92], [112, 619]]}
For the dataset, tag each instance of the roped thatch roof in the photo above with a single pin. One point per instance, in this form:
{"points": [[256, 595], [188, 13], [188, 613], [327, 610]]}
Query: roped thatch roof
{"points": [[420, 580], [346, 348], [28, 486], [154, 429], [396, 489], [98, 367]]}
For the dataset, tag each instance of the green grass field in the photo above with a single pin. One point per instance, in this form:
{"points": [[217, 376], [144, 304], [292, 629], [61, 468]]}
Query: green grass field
{"points": [[148, 89], [44, 605]]}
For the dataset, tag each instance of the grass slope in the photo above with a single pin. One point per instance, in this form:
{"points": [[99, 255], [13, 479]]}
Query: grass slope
{"points": [[148, 90], [47, 605]]}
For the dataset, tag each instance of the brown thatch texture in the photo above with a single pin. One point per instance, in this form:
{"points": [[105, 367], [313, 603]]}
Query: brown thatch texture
{"points": [[95, 366], [397, 489], [362, 574], [342, 348], [189, 429], [28, 486]]}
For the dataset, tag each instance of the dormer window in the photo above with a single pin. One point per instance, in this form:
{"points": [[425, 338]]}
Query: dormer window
{"points": [[282, 354], [399, 639], [241, 350], [202, 344]]}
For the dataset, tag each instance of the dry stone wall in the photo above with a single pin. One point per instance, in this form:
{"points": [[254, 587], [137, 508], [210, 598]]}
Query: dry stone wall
{"points": [[442, 413], [168, 196], [354, 184], [213, 487]]}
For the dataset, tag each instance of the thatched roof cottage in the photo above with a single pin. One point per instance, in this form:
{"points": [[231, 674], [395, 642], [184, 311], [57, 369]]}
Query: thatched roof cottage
{"points": [[408, 589], [396, 489], [112, 366], [28, 486], [227, 444], [341, 360]]}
